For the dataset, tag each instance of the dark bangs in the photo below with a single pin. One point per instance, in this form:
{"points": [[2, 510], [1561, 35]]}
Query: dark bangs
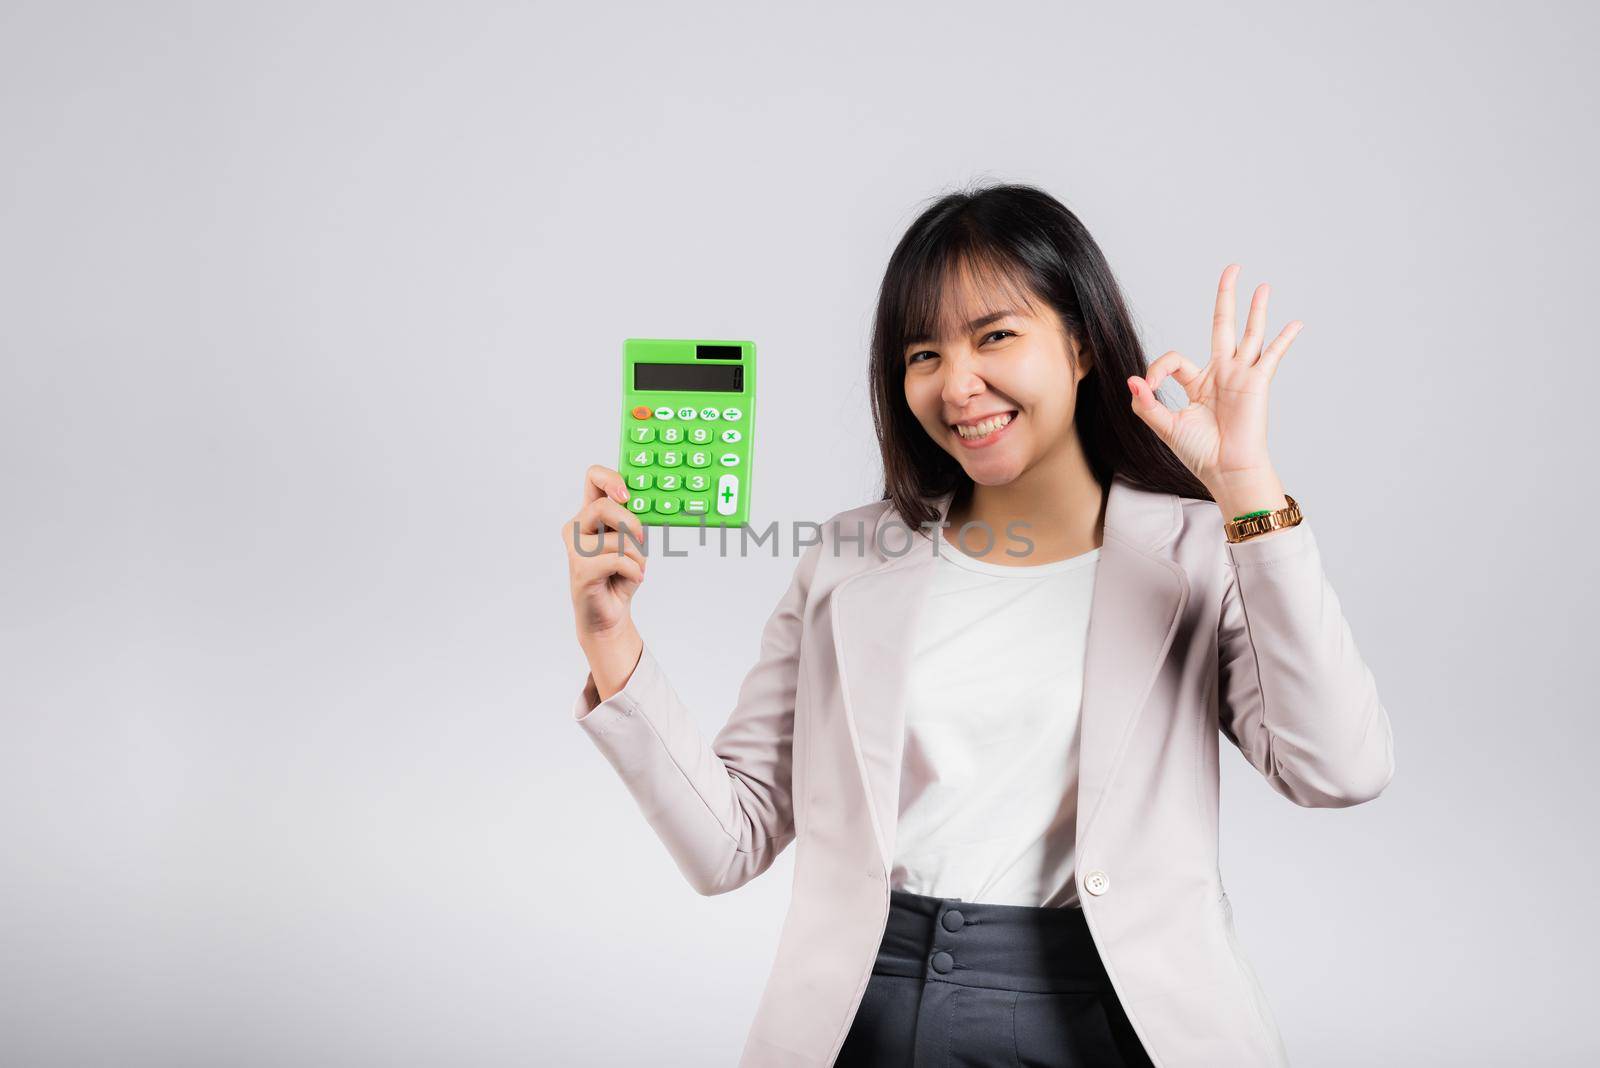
{"points": [[917, 313]]}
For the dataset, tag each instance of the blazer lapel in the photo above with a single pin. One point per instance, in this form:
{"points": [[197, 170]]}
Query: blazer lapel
{"points": [[1139, 595], [871, 613]]}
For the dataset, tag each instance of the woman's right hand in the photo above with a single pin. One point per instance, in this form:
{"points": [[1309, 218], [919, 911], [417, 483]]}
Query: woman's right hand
{"points": [[605, 563]]}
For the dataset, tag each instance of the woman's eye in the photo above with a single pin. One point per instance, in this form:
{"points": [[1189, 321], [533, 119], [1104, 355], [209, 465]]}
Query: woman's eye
{"points": [[929, 352]]}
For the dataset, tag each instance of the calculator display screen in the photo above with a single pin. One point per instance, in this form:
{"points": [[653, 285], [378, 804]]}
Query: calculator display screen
{"points": [[692, 377]]}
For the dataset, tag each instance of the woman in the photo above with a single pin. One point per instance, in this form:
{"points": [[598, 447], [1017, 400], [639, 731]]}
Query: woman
{"points": [[997, 752]]}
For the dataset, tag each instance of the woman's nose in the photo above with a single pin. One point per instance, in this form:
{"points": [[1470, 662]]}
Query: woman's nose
{"points": [[961, 381]]}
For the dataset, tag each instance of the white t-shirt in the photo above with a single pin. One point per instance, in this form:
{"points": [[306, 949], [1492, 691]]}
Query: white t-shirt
{"points": [[989, 778]]}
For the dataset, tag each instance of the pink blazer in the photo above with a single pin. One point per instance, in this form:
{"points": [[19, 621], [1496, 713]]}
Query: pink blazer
{"points": [[1190, 638]]}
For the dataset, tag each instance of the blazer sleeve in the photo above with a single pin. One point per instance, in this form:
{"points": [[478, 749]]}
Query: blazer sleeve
{"points": [[724, 810], [1294, 693]]}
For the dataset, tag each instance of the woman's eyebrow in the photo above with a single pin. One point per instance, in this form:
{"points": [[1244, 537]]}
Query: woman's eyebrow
{"points": [[982, 320]]}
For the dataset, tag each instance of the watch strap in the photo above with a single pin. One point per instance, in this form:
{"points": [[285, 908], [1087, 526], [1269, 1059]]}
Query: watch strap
{"points": [[1256, 523]]}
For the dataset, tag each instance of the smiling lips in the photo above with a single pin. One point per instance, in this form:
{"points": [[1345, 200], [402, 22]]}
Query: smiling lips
{"points": [[984, 430]]}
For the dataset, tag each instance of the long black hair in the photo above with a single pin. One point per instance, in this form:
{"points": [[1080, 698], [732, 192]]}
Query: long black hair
{"points": [[1021, 241]]}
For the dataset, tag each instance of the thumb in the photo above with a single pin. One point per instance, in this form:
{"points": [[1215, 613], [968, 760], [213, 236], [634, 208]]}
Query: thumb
{"points": [[1148, 406]]}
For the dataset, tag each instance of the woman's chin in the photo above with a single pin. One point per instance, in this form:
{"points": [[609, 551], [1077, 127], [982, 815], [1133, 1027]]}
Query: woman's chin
{"points": [[992, 469]]}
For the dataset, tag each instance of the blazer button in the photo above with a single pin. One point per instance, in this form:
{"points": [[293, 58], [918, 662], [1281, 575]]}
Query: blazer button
{"points": [[1097, 882]]}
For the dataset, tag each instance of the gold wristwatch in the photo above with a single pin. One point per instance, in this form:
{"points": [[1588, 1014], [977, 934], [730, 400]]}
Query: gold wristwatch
{"points": [[1248, 526]]}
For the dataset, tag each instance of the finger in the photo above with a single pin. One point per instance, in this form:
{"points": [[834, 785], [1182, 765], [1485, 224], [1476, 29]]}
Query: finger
{"points": [[1148, 406], [1280, 345], [604, 566], [603, 512], [629, 569], [602, 481], [592, 562], [617, 543], [585, 539], [1173, 363], [1255, 327], [1222, 318]]}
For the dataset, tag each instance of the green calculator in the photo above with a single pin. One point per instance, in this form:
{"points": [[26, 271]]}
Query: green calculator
{"points": [[688, 420]]}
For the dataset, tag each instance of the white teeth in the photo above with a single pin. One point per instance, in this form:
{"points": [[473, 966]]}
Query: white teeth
{"points": [[985, 428]]}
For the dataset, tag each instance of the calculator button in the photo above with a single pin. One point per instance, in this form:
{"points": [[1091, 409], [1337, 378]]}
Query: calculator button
{"points": [[638, 503], [732, 436], [732, 414], [695, 506], [641, 434], [642, 457], [641, 412], [671, 457], [727, 494], [686, 412], [668, 482], [700, 435], [699, 458], [727, 459], [663, 413], [671, 435], [708, 413], [667, 505], [697, 482], [640, 481]]}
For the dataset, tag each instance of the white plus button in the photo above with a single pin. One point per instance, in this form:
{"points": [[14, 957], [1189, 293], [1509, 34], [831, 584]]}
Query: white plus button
{"points": [[727, 494]]}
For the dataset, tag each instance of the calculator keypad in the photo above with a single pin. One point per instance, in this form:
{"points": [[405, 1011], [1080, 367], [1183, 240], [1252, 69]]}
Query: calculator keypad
{"points": [[684, 454]]}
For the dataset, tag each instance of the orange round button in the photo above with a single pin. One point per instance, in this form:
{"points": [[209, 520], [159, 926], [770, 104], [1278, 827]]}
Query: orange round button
{"points": [[641, 412]]}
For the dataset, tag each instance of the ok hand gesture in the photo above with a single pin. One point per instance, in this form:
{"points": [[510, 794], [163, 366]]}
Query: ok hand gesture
{"points": [[1222, 435]]}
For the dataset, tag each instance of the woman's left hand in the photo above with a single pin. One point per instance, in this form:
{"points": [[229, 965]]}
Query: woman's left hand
{"points": [[1222, 435]]}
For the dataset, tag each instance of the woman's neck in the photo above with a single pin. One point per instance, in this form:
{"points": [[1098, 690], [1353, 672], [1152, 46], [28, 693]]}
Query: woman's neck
{"points": [[1059, 500]]}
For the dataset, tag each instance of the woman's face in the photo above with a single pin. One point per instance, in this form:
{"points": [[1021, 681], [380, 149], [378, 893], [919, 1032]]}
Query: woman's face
{"points": [[1000, 395]]}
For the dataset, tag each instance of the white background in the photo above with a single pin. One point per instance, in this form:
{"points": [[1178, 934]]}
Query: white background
{"points": [[311, 319]]}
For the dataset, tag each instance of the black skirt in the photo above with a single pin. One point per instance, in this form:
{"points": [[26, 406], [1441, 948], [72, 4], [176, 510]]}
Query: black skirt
{"points": [[961, 984]]}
